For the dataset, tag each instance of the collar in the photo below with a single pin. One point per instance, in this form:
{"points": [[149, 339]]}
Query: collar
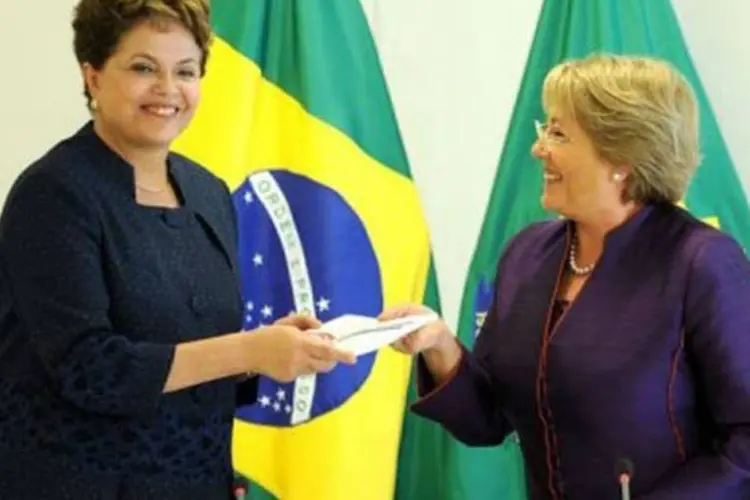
{"points": [[621, 234], [199, 196], [120, 175], [618, 240]]}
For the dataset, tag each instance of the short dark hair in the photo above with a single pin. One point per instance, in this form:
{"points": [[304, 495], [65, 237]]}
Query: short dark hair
{"points": [[99, 25]]}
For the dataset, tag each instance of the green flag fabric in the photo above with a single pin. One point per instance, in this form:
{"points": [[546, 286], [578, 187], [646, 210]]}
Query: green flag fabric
{"points": [[574, 29]]}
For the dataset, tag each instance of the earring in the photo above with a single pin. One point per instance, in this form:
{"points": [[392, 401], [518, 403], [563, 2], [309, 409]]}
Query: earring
{"points": [[618, 176], [94, 105]]}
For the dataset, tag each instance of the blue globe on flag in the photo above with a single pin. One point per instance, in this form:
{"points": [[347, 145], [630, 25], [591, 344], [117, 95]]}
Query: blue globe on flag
{"points": [[302, 248]]}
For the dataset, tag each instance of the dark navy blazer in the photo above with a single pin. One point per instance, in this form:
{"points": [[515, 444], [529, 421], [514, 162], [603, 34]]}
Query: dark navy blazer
{"points": [[95, 292], [650, 363]]}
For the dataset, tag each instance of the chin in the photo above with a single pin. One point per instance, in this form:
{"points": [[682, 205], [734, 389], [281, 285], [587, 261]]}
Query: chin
{"points": [[555, 205], [151, 142], [550, 202], [160, 138], [156, 131]]}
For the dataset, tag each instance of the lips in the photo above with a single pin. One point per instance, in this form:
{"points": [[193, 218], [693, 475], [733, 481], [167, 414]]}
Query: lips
{"points": [[160, 110], [550, 176]]}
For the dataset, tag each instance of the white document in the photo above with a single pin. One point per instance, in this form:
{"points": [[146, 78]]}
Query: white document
{"points": [[363, 334]]}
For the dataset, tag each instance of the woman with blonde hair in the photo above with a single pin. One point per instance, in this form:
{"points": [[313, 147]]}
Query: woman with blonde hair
{"points": [[619, 334], [121, 352]]}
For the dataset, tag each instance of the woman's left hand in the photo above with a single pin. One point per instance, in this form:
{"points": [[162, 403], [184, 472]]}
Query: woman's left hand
{"points": [[300, 321]]}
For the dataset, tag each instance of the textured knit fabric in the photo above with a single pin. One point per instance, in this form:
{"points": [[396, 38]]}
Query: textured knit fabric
{"points": [[95, 292], [650, 362]]}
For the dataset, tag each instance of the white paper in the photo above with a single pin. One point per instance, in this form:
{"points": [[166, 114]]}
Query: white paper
{"points": [[363, 334]]}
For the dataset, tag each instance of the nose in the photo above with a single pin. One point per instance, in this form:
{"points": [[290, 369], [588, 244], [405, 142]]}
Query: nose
{"points": [[166, 84], [538, 150]]}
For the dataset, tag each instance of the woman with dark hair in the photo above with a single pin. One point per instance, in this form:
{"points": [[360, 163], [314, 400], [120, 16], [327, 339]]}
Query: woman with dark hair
{"points": [[121, 353]]}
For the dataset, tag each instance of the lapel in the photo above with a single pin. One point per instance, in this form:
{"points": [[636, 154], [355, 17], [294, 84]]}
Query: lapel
{"points": [[210, 204], [538, 273], [589, 325], [207, 199], [531, 281]]}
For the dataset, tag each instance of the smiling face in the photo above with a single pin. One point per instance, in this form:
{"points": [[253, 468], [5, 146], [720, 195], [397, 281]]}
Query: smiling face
{"points": [[578, 183], [622, 131], [146, 93]]}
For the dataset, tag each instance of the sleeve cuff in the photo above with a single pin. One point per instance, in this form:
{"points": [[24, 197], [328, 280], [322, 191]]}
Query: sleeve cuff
{"points": [[130, 383], [430, 394], [247, 390]]}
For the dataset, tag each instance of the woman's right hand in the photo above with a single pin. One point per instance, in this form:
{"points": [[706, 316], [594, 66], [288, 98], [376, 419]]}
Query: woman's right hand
{"points": [[285, 352], [434, 336], [435, 341]]}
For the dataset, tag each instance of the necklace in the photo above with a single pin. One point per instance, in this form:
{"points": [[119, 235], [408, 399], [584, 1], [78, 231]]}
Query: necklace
{"points": [[152, 191], [574, 267]]}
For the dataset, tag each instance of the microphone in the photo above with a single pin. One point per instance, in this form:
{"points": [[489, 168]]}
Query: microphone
{"points": [[239, 488], [624, 476]]}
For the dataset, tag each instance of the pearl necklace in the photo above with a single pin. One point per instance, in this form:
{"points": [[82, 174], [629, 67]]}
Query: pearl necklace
{"points": [[574, 267]]}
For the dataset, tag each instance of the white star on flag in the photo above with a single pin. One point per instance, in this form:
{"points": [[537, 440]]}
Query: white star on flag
{"points": [[267, 311], [265, 401], [248, 197], [287, 409], [323, 304], [249, 306], [258, 260], [276, 406], [281, 395]]}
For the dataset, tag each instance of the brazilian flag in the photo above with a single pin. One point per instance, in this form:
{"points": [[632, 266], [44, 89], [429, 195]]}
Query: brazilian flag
{"points": [[296, 118]]}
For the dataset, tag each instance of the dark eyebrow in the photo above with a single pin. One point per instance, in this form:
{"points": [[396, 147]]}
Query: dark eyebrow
{"points": [[153, 60], [143, 56]]}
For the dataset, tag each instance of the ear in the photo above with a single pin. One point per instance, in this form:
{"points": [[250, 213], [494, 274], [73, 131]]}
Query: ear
{"points": [[619, 174], [90, 79]]}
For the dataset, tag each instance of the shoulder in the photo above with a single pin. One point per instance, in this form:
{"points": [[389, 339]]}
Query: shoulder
{"points": [[717, 291], [60, 173], [687, 252], [533, 244], [63, 162], [715, 260], [51, 204], [679, 234]]}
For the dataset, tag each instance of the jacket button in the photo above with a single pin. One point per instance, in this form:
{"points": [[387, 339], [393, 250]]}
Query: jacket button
{"points": [[175, 219], [196, 304]]}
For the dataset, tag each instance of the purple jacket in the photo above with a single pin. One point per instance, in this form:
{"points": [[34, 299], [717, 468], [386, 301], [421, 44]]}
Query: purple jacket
{"points": [[651, 363]]}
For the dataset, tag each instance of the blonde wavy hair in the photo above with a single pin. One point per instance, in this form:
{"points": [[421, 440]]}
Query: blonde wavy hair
{"points": [[638, 111]]}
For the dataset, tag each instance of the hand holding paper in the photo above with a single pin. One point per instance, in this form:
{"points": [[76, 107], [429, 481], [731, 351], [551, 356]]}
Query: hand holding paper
{"points": [[283, 352], [434, 340], [363, 334], [435, 336]]}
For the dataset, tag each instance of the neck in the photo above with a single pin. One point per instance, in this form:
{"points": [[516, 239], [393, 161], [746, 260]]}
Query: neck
{"points": [[591, 234], [149, 164]]}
